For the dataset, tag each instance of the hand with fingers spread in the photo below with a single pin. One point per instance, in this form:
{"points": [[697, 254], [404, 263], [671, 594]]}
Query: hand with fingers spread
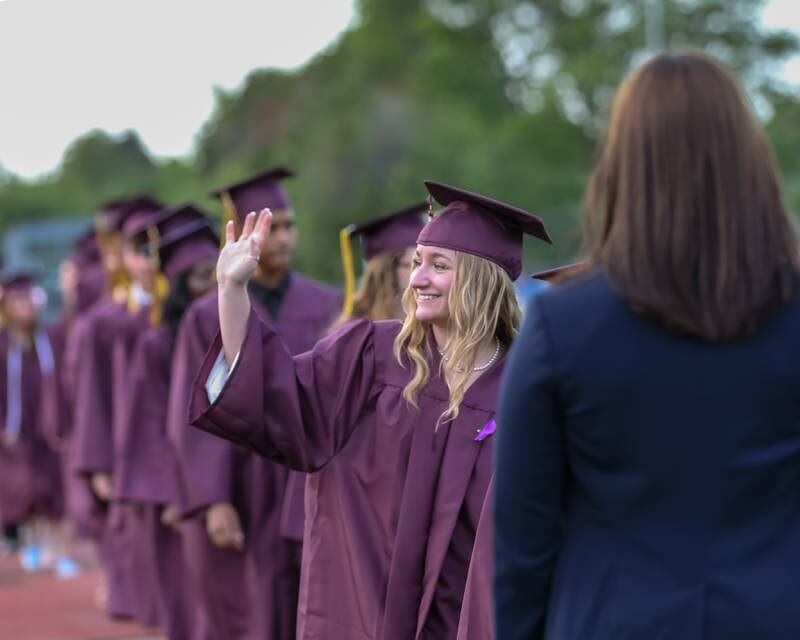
{"points": [[238, 259], [237, 263]]}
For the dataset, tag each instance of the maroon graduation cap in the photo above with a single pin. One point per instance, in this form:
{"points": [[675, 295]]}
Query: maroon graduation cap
{"points": [[85, 249], [187, 236], [392, 232], [18, 281], [261, 191], [111, 214], [115, 214], [138, 214], [480, 226], [177, 217]]}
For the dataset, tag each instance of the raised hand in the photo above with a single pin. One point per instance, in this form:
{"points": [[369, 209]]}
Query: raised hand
{"points": [[238, 259]]}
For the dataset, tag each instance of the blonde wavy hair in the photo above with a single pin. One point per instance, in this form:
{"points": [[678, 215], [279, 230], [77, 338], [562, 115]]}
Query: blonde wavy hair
{"points": [[483, 304], [378, 294]]}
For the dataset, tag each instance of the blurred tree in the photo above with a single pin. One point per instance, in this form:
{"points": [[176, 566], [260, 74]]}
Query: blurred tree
{"points": [[502, 96], [102, 166], [506, 97], [784, 132], [578, 50]]}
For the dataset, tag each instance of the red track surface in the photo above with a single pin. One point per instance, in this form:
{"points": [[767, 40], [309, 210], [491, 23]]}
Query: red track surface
{"points": [[44, 607]]}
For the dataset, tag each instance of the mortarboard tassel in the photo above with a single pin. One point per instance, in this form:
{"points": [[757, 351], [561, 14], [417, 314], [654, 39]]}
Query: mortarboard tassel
{"points": [[348, 269], [117, 281], [160, 282]]}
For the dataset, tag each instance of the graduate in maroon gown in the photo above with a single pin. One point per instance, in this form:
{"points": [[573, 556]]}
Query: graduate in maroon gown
{"points": [[146, 474], [476, 622], [243, 530], [82, 518], [90, 277], [387, 246], [393, 420], [83, 281], [30, 487], [110, 331], [101, 280]]}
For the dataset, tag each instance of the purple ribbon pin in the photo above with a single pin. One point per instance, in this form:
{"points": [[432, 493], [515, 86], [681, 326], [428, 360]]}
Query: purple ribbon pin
{"points": [[487, 430]]}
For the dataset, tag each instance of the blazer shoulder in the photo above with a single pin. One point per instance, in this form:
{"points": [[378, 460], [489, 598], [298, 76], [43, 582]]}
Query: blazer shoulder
{"points": [[573, 297]]}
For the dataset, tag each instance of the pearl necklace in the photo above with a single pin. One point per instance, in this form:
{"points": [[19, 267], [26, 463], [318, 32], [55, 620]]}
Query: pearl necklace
{"points": [[483, 367]]}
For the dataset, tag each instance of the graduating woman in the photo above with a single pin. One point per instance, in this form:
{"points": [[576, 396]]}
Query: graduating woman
{"points": [[393, 420], [30, 489], [108, 334], [146, 471], [387, 246]]}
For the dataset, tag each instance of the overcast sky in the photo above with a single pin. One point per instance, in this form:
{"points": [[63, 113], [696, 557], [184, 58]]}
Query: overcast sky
{"points": [[68, 66]]}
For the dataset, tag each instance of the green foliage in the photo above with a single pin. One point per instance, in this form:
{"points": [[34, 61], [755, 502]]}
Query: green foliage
{"points": [[505, 97]]}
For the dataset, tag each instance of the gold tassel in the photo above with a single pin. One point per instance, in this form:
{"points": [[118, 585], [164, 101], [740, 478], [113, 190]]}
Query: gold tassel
{"points": [[160, 281], [161, 291], [430, 207], [228, 214], [117, 281], [348, 269]]}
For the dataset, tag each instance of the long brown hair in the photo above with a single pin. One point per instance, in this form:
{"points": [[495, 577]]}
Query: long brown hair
{"points": [[684, 210], [378, 293]]}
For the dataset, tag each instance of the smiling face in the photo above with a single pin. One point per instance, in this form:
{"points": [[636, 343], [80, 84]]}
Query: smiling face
{"points": [[432, 274]]}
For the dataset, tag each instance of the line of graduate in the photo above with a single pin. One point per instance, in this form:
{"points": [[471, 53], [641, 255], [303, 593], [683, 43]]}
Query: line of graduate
{"points": [[338, 463]]}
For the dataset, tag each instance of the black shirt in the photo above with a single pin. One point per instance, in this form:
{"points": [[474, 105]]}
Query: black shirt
{"points": [[271, 299]]}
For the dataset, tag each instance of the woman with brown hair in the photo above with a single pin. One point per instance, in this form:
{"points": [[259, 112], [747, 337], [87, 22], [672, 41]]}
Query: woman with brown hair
{"points": [[392, 420], [649, 455], [387, 245]]}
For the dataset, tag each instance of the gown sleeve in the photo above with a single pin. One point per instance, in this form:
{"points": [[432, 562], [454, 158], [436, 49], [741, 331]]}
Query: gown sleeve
{"points": [[529, 479], [93, 394], [299, 411], [218, 377], [205, 463]]}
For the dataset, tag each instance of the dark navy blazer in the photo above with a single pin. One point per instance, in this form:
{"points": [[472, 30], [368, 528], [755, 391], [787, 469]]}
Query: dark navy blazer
{"points": [[647, 485]]}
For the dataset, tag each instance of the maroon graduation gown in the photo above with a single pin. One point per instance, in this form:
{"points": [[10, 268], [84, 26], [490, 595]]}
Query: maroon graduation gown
{"points": [[391, 504], [91, 284], [28, 469], [56, 418], [93, 387], [146, 474], [101, 402], [268, 500], [477, 610]]}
